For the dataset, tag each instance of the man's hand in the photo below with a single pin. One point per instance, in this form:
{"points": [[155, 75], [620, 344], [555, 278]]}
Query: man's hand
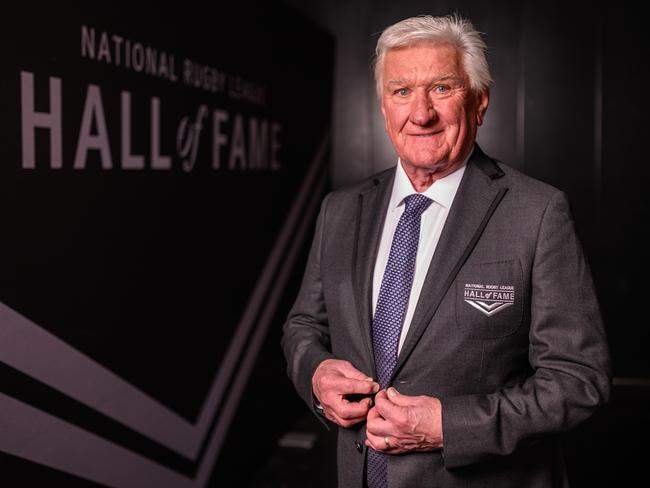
{"points": [[401, 423], [333, 380]]}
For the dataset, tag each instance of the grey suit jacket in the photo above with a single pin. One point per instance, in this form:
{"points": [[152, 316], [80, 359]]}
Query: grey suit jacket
{"points": [[512, 370]]}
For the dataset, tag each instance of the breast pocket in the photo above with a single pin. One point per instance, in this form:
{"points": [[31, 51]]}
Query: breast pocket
{"points": [[489, 299]]}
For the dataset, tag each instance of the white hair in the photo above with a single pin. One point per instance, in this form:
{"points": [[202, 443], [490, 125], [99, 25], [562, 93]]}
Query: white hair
{"points": [[450, 29]]}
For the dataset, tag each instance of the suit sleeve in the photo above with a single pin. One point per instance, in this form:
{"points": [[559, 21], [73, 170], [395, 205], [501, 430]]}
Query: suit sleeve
{"points": [[567, 351], [306, 339]]}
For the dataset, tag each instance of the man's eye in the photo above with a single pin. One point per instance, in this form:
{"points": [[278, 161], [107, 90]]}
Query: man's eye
{"points": [[402, 92], [441, 89]]}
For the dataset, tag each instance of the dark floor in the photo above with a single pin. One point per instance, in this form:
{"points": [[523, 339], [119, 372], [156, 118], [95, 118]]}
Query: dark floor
{"points": [[311, 465], [610, 450]]}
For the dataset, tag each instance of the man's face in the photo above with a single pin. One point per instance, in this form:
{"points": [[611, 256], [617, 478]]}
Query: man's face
{"points": [[431, 114]]}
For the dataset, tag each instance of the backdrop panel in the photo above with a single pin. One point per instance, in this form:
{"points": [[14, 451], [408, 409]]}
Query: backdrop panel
{"points": [[157, 167]]}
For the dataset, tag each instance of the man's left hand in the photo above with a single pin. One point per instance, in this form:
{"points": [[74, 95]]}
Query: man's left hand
{"points": [[401, 423]]}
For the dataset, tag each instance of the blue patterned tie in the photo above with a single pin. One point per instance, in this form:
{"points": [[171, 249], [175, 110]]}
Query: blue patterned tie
{"points": [[391, 309]]}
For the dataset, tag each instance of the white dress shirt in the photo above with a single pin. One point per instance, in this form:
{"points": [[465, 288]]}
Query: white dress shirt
{"points": [[442, 192]]}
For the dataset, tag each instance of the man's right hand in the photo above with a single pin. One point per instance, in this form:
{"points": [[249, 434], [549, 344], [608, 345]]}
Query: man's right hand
{"points": [[333, 380]]}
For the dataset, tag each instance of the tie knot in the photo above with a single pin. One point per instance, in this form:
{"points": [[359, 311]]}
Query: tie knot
{"points": [[416, 204]]}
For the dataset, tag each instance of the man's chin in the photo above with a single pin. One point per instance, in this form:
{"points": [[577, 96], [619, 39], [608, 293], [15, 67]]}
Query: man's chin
{"points": [[435, 166]]}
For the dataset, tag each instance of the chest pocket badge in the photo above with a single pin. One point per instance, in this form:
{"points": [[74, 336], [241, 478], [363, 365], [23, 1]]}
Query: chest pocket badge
{"points": [[490, 299]]}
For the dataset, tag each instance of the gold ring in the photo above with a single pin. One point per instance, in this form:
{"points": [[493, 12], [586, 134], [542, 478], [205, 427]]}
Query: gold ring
{"points": [[386, 442]]}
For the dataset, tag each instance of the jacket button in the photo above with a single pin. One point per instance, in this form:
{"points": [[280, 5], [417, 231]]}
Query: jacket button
{"points": [[358, 446]]}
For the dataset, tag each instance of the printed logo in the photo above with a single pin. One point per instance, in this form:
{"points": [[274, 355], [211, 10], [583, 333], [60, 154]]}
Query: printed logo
{"points": [[489, 299]]}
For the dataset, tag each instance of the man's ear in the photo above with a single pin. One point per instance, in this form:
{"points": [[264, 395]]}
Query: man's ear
{"points": [[483, 100]]}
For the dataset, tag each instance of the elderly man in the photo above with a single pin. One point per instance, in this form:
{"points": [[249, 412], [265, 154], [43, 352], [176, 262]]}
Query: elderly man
{"points": [[447, 321]]}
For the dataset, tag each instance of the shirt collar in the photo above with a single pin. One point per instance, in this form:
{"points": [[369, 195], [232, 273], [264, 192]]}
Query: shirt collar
{"points": [[442, 191]]}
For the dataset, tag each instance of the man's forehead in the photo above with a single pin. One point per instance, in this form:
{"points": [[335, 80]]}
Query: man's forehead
{"points": [[431, 60], [451, 77], [423, 56]]}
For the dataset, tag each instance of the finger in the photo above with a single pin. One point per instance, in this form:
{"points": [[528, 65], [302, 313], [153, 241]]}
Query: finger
{"points": [[381, 398], [346, 409], [350, 371], [376, 442], [334, 417], [398, 399], [337, 368], [370, 444], [344, 385], [381, 428], [365, 403], [377, 425], [369, 402], [388, 409], [381, 394], [373, 415], [385, 444]]}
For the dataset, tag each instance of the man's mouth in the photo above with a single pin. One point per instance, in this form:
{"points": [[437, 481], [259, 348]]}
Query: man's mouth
{"points": [[426, 134]]}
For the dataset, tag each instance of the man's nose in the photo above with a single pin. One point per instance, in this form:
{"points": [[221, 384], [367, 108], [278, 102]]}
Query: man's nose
{"points": [[422, 111]]}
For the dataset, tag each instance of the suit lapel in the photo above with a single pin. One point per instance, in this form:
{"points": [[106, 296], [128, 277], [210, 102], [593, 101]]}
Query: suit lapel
{"points": [[371, 214], [475, 202]]}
